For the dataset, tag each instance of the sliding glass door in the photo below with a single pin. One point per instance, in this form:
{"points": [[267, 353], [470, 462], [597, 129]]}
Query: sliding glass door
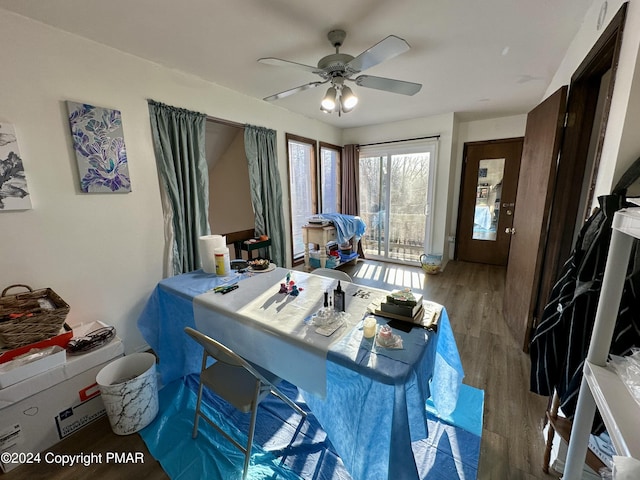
{"points": [[396, 184]]}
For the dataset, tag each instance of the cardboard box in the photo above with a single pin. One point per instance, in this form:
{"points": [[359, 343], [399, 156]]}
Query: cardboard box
{"points": [[38, 412], [558, 456], [16, 370]]}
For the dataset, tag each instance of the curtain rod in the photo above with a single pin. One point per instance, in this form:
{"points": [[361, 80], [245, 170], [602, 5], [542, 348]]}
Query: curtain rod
{"points": [[225, 122], [398, 141]]}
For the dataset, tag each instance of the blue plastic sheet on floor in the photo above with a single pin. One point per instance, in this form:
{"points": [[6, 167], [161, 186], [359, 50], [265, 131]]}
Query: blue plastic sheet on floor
{"points": [[284, 449], [468, 412]]}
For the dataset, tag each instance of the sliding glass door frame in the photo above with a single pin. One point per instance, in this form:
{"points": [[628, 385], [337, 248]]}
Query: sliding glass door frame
{"points": [[385, 154]]}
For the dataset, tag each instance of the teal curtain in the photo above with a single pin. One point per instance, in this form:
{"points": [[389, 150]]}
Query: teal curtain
{"points": [[178, 142], [266, 190]]}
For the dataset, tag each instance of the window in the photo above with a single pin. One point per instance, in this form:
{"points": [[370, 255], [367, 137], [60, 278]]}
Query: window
{"points": [[301, 153], [330, 178]]}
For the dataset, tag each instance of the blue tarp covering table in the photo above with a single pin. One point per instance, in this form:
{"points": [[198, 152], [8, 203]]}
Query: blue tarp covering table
{"points": [[167, 312], [375, 399]]}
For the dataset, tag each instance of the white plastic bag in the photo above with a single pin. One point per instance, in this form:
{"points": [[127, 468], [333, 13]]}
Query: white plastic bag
{"points": [[628, 369]]}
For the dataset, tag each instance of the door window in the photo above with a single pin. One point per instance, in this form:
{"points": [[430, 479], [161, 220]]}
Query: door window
{"points": [[488, 193]]}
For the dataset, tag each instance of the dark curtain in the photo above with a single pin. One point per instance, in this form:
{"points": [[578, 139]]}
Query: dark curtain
{"points": [[350, 179], [178, 142]]}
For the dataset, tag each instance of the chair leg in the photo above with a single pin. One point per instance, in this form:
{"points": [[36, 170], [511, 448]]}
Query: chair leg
{"points": [[250, 433], [196, 419], [552, 411], [275, 391]]}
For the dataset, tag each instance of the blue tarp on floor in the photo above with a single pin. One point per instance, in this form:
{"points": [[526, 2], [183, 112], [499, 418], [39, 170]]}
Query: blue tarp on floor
{"points": [[284, 449]]}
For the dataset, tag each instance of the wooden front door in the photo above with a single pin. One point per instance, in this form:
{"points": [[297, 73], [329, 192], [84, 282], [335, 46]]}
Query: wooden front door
{"points": [[536, 184], [487, 199]]}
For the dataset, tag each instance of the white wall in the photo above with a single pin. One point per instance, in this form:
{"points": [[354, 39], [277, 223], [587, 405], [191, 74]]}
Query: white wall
{"points": [[230, 208], [622, 143], [102, 253]]}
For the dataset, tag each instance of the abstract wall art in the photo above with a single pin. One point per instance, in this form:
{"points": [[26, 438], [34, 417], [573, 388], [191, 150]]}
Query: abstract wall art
{"points": [[14, 194], [100, 151]]}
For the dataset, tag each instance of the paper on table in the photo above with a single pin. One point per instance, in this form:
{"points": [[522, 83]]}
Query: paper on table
{"points": [[256, 320]]}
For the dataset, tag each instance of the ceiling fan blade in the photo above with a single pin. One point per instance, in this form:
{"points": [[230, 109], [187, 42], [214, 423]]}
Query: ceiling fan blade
{"points": [[291, 91], [388, 84], [286, 63], [381, 51]]}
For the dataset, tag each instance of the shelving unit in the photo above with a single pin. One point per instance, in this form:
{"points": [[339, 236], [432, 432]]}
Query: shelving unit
{"points": [[601, 387], [620, 412]]}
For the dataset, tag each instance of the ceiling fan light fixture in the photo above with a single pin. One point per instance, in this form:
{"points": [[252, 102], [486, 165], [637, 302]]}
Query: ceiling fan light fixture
{"points": [[340, 67], [329, 101], [348, 99]]}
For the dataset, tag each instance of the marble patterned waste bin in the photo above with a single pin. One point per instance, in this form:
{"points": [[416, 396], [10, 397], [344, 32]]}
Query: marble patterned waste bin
{"points": [[129, 390]]}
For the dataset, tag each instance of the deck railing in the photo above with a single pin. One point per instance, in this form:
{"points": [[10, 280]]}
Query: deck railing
{"points": [[406, 236]]}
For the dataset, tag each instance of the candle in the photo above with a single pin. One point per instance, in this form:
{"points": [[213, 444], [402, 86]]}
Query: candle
{"points": [[369, 327], [385, 334]]}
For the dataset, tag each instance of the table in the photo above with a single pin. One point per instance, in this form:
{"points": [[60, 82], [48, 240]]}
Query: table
{"points": [[250, 247], [374, 403], [320, 235]]}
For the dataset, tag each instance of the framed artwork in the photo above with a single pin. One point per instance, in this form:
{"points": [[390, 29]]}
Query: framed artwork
{"points": [[14, 194], [100, 151]]}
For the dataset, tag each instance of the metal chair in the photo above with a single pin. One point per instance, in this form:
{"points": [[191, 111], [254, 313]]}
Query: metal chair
{"points": [[332, 273], [238, 382]]}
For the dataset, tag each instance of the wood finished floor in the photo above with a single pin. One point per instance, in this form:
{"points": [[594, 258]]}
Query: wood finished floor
{"points": [[512, 443]]}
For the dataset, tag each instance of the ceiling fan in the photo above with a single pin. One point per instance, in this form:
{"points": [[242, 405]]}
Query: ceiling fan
{"points": [[339, 68]]}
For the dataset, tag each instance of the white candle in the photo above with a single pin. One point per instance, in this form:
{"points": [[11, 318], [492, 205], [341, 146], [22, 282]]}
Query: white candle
{"points": [[369, 327]]}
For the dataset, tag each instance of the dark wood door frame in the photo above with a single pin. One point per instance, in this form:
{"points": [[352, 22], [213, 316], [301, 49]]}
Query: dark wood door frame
{"points": [[581, 114]]}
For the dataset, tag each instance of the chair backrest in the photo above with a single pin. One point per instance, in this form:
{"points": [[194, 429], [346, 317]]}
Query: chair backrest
{"points": [[332, 273], [217, 350]]}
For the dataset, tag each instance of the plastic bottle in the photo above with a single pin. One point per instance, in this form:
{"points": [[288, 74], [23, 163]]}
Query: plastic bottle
{"points": [[338, 298], [223, 261]]}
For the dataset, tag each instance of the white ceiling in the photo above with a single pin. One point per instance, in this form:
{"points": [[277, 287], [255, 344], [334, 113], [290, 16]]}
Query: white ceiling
{"points": [[479, 58]]}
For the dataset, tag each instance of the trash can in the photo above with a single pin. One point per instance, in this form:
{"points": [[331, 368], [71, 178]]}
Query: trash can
{"points": [[129, 390]]}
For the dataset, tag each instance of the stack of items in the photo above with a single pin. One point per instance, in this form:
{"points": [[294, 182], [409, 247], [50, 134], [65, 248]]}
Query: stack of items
{"points": [[47, 388], [410, 307]]}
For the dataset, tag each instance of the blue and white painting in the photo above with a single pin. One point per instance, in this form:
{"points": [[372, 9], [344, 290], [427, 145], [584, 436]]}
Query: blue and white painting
{"points": [[14, 194], [99, 145]]}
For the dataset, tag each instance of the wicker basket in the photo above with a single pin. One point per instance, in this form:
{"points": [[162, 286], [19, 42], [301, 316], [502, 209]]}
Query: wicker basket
{"points": [[31, 316]]}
